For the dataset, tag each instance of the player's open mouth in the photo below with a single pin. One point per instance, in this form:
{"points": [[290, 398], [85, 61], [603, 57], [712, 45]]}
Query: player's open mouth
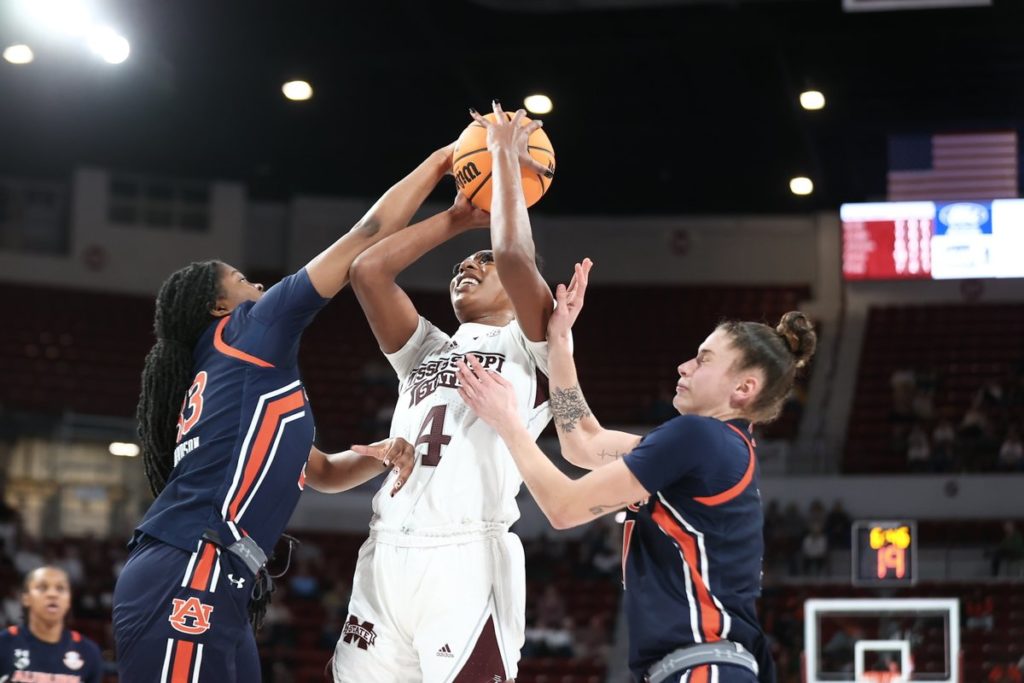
{"points": [[465, 283]]}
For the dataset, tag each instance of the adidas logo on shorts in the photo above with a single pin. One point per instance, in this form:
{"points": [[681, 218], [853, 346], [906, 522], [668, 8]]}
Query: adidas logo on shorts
{"points": [[445, 651]]}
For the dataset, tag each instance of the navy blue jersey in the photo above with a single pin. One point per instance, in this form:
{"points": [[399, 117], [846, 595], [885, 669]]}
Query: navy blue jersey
{"points": [[26, 659], [692, 551], [245, 427]]}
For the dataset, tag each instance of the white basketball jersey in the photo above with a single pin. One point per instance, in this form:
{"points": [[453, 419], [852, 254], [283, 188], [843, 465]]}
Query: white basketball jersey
{"points": [[464, 476]]}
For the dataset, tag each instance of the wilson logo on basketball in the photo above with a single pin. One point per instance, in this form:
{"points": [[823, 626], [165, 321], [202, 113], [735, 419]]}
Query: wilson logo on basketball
{"points": [[466, 175], [362, 634], [190, 616]]}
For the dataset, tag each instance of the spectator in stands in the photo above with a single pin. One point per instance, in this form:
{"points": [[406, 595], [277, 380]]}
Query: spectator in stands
{"points": [[979, 608], [903, 385], [1010, 548], [304, 583], [943, 444], [335, 601], [814, 550], [837, 526], [550, 639], [975, 423], [1005, 673], [816, 513], [1011, 453], [794, 528], [591, 640], [919, 450], [551, 606]]}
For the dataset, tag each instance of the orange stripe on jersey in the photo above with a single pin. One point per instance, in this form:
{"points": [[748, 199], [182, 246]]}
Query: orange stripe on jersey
{"points": [[204, 567], [702, 674], [13, 630], [76, 636], [223, 347], [260, 449], [710, 617], [182, 666], [741, 485]]}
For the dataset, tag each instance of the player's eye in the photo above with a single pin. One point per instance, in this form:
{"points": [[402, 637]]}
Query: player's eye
{"points": [[485, 257]]}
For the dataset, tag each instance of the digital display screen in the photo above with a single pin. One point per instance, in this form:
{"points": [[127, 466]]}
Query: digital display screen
{"points": [[884, 553], [933, 240]]}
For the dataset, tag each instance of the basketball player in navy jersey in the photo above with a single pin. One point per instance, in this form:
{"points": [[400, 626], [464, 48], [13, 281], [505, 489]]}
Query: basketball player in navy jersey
{"points": [[227, 436], [693, 533], [43, 649]]}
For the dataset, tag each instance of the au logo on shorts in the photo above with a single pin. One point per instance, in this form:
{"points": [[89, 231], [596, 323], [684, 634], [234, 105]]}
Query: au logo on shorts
{"points": [[362, 634], [190, 616]]}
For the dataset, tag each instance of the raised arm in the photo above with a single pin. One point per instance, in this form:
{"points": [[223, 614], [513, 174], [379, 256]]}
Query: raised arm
{"points": [[388, 309], [337, 472], [585, 443], [565, 502], [329, 270], [511, 235]]}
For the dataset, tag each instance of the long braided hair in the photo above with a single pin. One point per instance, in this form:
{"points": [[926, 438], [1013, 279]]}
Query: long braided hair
{"points": [[183, 307]]}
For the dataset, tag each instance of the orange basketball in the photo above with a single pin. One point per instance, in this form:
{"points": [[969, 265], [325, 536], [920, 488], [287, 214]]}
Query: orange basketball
{"points": [[471, 163]]}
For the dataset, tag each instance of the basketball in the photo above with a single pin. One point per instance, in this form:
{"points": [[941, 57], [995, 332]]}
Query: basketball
{"points": [[471, 164]]}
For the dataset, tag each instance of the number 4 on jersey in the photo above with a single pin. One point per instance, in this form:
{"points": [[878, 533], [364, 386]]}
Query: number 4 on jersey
{"points": [[432, 434]]}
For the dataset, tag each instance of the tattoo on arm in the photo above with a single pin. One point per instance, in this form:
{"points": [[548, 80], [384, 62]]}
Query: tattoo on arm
{"points": [[568, 407], [610, 455], [599, 510]]}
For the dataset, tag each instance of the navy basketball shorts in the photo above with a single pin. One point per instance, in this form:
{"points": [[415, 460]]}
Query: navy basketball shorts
{"points": [[183, 617]]}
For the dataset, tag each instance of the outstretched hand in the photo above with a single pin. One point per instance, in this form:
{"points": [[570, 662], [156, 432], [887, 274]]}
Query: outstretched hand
{"points": [[491, 396], [504, 135], [569, 302], [396, 453]]}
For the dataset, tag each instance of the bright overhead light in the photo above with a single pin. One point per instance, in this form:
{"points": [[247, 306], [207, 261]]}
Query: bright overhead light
{"points": [[812, 100], [297, 91], [112, 47], [538, 104], [65, 16], [801, 185], [19, 54], [123, 449]]}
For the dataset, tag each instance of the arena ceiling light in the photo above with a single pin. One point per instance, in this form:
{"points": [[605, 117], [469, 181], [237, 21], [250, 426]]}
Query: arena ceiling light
{"points": [[297, 91], [538, 104], [18, 54], [812, 100], [71, 17], [124, 449], [801, 185], [108, 44]]}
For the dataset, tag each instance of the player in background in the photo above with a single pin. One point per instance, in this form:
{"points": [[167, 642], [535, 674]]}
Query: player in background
{"points": [[43, 649], [693, 548], [439, 588], [228, 462]]}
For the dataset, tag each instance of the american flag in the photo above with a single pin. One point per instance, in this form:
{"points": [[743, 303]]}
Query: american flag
{"points": [[953, 166]]}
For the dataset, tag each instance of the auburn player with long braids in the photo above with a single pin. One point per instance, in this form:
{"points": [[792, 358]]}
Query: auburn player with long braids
{"points": [[693, 533], [227, 434]]}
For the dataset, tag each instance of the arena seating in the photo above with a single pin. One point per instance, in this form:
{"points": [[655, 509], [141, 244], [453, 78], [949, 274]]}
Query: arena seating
{"points": [[83, 351], [962, 346]]}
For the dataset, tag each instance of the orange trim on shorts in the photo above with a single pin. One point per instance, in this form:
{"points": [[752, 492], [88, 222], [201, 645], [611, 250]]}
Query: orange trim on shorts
{"points": [[228, 350], [182, 662], [741, 485], [702, 674]]}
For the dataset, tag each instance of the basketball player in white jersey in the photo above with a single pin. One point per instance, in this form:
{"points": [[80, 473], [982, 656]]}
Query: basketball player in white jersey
{"points": [[439, 588]]}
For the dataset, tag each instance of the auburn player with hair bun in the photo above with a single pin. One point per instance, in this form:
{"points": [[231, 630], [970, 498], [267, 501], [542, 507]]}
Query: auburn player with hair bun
{"points": [[693, 545], [227, 434], [43, 648]]}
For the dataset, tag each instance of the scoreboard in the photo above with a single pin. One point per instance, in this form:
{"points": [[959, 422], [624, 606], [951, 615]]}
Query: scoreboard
{"points": [[933, 240], [884, 553]]}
